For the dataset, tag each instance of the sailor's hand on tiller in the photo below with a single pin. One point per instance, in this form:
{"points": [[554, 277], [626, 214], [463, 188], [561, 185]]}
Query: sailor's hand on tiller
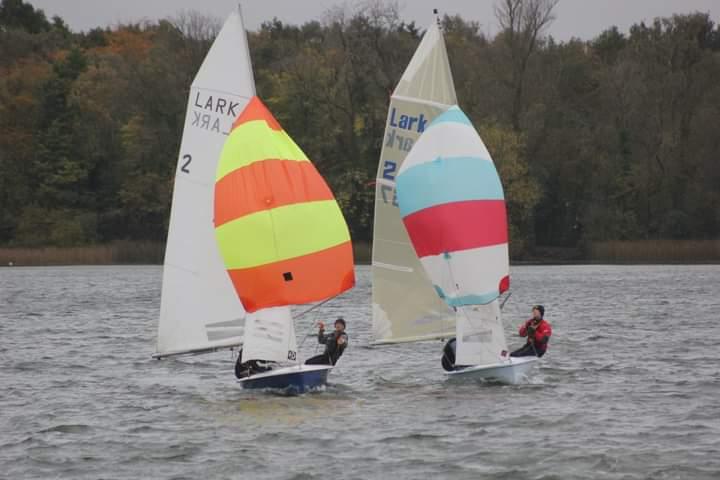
{"points": [[341, 340]]}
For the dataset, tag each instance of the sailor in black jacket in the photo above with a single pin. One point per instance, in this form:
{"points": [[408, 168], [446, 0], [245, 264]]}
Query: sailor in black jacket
{"points": [[335, 343]]}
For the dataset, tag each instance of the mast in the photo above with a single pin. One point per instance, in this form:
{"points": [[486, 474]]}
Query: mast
{"points": [[247, 46]]}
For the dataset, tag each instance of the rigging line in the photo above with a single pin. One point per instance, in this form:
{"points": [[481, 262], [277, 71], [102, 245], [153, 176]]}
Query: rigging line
{"points": [[305, 312], [306, 336], [314, 322], [505, 301], [457, 290], [446, 257]]}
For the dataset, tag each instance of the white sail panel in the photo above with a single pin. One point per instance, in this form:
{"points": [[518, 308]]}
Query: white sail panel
{"points": [[447, 139], [428, 75], [270, 335], [199, 309], [405, 305], [480, 335], [453, 208], [461, 278]]}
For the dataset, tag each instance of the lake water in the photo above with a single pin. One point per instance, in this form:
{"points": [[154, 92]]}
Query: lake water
{"points": [[630, 388]]}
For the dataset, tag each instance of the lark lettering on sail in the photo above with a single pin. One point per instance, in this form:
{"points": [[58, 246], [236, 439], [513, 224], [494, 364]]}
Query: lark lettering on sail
{"points": [[214, 112]]}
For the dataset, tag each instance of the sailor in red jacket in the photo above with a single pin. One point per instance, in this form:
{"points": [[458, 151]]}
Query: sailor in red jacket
{"points": [[538, 332]]}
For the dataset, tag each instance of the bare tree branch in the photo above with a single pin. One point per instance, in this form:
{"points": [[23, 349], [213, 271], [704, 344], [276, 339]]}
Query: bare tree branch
{"points": [[522, 23]]}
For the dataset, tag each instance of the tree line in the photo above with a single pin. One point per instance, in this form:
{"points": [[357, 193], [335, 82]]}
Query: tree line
{"points": [[613, 138]]}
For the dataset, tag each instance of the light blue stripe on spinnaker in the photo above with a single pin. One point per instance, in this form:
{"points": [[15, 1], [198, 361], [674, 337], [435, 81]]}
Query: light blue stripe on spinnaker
{"points": [[475, 299], [452, 114], [446, 180]]}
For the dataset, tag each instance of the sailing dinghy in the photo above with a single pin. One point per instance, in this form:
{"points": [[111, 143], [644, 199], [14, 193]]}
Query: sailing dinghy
{"points": [[424, 92], [242, 215], [453, 207], [283, 239]]}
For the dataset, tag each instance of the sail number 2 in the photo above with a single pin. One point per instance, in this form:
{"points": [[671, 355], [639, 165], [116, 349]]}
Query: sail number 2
{"points": [[389, 170], [186, 163], [388, 191]]}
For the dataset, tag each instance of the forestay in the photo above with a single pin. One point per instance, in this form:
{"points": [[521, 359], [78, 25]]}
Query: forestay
{"points": [[199, 309], [405, 307]]}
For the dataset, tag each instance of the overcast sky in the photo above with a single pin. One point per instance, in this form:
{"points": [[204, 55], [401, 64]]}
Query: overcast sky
{"points": [[575, 18]]}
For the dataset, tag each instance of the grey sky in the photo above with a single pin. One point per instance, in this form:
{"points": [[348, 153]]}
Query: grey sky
{"points": [[575, 18]]}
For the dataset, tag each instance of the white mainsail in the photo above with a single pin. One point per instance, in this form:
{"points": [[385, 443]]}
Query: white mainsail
{"points": [[480, 335], [405, 305], [199, 309], [270, 336]]}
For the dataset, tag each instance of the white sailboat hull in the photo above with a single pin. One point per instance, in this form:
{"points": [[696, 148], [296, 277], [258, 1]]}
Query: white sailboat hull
{"points": [[513, 371], [295, 379]]}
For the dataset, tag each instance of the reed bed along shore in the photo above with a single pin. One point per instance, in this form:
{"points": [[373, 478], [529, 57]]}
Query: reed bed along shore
{"points": [[108, 254], [117, 253], [656, 251], [127, 252]]}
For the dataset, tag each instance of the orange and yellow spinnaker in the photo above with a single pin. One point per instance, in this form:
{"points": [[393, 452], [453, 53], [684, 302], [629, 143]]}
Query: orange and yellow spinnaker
{"points": [[280, 231]]}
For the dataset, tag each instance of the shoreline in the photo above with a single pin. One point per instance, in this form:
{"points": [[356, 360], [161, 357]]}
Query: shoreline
{"points": [[641, 252], [534, 263]]}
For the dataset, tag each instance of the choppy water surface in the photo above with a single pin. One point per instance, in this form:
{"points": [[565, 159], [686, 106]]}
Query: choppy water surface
{"points": [[629, 389]]}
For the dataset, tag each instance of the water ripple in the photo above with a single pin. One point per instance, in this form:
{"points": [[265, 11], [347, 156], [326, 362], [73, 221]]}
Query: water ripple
{"points": [[628, 390]]}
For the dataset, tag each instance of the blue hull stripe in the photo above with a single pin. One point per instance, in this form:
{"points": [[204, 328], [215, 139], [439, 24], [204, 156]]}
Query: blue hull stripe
{"points": [[447, 180], [299, 382]]}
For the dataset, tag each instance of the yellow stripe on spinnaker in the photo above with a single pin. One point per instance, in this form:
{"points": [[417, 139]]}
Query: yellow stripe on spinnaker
{"points": [[253, 141], [299, 229]]}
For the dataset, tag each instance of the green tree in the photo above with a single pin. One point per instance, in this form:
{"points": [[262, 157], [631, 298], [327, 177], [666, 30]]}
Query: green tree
{"points": [[18, 14]]}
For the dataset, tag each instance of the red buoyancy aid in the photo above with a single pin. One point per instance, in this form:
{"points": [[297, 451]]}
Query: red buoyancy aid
{"points": [[542, 330]]}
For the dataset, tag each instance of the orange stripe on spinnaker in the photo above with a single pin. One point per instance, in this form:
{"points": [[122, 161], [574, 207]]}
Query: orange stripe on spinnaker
{"points": [[256, 110], [314, 277], [267, 184]]}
